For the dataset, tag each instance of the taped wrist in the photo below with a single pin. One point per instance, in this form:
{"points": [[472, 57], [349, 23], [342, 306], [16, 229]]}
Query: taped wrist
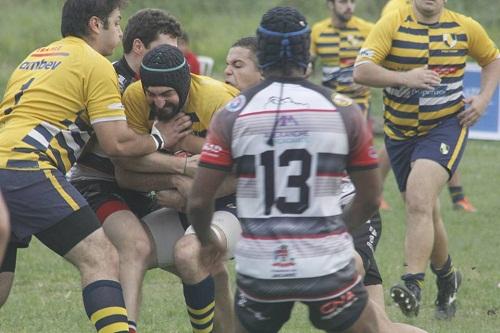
{"points": [[159, 140]]}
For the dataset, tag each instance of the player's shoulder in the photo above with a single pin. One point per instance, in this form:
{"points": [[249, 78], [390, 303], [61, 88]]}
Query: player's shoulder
{"points": [[134, 90], [361, 24], [320, 25], [466, 22], [207, 86]]}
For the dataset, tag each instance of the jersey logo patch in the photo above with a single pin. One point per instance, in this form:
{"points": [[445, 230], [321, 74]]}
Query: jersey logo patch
{"points": [[236, 104], [450, 40], [444, 148], [366, 53], [341, 100]]}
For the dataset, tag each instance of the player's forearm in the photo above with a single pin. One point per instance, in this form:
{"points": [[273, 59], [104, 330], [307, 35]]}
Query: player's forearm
{"points": [[200, 212], [118, 140], [373, 75], [365, 203], [153, 163], [358, 211], [192, 144], [227, 187], [490, 77], [143, 182]]}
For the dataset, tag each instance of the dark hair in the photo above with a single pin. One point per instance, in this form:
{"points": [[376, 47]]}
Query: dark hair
{"points": [[283, 40], [146, 25], [165, 66], [77, 13], [249, 43]]}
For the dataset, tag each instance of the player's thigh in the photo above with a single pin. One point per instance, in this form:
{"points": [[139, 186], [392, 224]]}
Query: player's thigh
{"points": [[164, 227], [372, 320], [426, 180], [131, 237], [259, 317]]}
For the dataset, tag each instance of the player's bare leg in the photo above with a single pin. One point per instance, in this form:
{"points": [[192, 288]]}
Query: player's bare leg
{"points": [[136, 253], [6, 281]]}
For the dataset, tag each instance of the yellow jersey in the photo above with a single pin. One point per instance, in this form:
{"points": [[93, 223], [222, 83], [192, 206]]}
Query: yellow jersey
{"points": [[337, 49], [51, 100], [393, 5], [206, 96], [399, 43]]}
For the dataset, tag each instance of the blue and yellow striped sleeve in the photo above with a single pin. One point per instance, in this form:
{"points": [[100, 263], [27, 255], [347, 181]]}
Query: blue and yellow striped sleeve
{"points": [[481, 47], [377, 45]]}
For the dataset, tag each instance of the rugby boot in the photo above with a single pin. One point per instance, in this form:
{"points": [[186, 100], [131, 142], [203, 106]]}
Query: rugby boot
{"points": [[446, 301], [407, 297], [464, 205]]}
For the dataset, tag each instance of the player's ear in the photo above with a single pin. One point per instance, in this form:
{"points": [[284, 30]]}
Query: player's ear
{"points": [[94, 24]]}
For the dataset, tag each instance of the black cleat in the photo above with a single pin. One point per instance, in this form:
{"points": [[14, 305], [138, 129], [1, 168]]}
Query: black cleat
{"points": [[407, 298], [446, 301]]}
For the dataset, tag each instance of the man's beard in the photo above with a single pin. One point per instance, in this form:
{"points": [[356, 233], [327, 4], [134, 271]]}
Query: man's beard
{"points": [[165, 113], [344, 17]]}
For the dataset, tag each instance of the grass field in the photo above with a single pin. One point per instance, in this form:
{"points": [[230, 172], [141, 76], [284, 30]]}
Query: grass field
{"points": [[46, 296]]}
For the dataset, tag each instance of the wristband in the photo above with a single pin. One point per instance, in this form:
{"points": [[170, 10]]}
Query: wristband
{"points": [[156, 134], [158, 140]]}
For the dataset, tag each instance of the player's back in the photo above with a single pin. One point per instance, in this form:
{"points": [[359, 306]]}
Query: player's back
{"points": [[44, 121], [292, 146]]}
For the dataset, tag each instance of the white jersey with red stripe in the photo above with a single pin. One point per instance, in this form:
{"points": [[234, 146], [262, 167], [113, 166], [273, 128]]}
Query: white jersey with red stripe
{"points": [[291, 144]]}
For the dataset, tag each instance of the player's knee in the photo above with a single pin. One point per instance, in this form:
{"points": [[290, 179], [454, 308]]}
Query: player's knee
{"points": [[136, 251], [415, 206], [186, 251]]}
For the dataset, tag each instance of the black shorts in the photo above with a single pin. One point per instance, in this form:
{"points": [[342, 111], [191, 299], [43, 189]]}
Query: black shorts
{"points": [[331, 315], [366, 238], [106, 197]]}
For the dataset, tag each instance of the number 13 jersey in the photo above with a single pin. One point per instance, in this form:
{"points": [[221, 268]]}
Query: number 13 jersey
{"points": [[291, 143]]}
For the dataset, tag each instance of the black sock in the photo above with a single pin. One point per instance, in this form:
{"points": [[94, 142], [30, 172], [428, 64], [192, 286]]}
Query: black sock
{"points": [[132, 326], [415, 282], [456, 193], [444, 271], [104, 304], [200, 302]]}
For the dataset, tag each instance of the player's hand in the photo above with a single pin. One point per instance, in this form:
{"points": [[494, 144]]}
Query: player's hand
{"points": [[421, 78], [175, 129], [477, 106], [183, 184], [171, 199], [191, 165], [212, 250], [359, 90]]}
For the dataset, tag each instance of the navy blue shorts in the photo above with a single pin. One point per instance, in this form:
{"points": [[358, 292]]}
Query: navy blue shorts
{"points": [[443, 144], [37, 200]]}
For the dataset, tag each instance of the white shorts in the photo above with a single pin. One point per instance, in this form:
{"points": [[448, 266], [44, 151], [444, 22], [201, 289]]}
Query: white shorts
{"points": [[166, 229]]}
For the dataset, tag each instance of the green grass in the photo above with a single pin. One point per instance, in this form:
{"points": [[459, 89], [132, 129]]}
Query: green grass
{"points": [[46, 295]]}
